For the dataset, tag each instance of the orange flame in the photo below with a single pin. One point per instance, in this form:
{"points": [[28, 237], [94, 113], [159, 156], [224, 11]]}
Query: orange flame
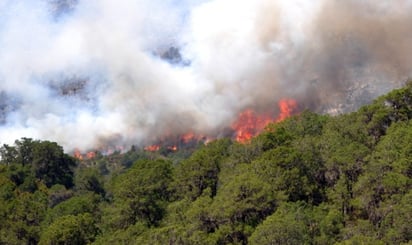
{"points": [[188, 137], [77, 154], [249, 124], [287, 108], [172, 148], [174, 143], [80, 156], [152, 148], [90, 155]]}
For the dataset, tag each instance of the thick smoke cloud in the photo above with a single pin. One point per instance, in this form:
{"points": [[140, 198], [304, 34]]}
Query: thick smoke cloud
{"points": [[96, 73]]}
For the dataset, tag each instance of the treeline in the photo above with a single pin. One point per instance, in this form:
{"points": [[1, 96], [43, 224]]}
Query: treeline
{"points": [[311, 179]]}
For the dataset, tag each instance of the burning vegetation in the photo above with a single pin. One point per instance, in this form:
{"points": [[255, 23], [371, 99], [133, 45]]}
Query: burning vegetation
{"points": [[248, 124]]}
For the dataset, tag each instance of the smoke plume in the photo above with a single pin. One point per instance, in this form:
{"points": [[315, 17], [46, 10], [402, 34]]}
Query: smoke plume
{"points": [[95, 73]]}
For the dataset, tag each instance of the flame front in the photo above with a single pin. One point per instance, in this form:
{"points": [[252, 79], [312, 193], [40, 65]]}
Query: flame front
{"points": [[172, 148], [249, 124], [77, 154], [152, 148], [287, 108], [185, 138], [80, 156], [90, 155]]}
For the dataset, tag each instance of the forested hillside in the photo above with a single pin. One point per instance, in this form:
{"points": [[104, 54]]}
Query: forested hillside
{"points": [[311, 179]]}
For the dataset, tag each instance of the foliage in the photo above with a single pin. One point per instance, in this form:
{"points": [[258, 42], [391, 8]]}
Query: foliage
{"points": [[285, 226], [70, 229], [46, 159], [200, 171], [141, 193]]}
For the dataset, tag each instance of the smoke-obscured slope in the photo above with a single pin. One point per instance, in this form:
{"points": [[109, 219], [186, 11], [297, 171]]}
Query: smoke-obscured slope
{"points": [[91, 73]]}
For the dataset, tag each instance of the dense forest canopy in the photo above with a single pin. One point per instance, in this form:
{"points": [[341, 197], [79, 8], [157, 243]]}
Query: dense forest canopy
{"points": [[311, 179]]}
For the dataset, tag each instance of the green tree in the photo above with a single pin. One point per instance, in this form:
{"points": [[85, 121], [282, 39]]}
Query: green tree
{"points": [[393, 107], [361, 240], [9, 154], [387, 177], [141, 194], [186, 223], [396, 225], [52, 165], [26, 212], [325, 224], [88, 179], [24, 148], [286, 226], [293, 171], [70, 229], [85, 203], [200, 171], [46, 160], [344, 156], [240, 205]]}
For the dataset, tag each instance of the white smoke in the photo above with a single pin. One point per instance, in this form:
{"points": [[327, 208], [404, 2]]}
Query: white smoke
{"points": [[92, 73]]}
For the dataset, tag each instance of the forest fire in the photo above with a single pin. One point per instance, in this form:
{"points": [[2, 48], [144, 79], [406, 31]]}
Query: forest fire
{"points": [[172, 148], [249, 124], [77, 154], [287, 108], [152, 148], [173, 143], [188, 137], [80, 156], [90, 154]]}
